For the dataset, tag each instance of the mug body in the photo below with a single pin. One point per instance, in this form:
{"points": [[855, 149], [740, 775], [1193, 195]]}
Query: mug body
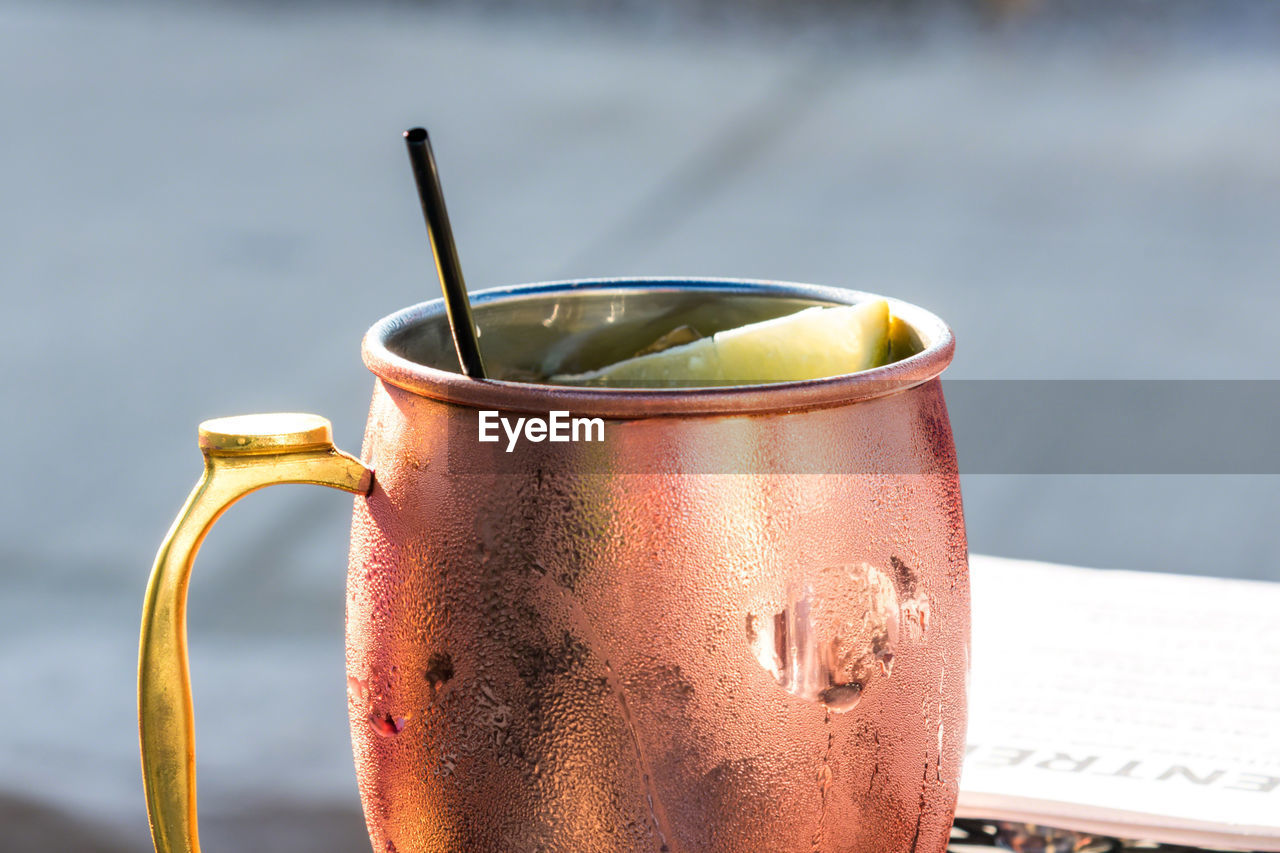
{"points": [[737, 622]]}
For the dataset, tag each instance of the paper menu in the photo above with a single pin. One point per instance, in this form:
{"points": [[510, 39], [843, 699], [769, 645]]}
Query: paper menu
{"points": [[1133, 705]]}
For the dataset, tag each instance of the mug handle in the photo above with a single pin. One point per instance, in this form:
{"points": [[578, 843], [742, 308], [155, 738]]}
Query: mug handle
{"points": [[241, 455]]}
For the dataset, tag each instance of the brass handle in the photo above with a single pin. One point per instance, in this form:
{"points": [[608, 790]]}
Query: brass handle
{"points": [[241, 455]]}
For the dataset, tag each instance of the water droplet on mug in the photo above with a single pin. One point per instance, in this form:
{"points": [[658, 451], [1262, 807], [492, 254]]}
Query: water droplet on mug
{"points": [[439, 670], [387, 725], [823, 776], [841, 697], [357, 689]]}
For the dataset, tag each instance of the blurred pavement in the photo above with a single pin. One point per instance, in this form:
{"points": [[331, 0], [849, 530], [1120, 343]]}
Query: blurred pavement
{"points": [[205, 207]]}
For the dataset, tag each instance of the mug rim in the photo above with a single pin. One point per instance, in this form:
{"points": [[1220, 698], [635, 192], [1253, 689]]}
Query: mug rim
{"points": [[632, 403]]}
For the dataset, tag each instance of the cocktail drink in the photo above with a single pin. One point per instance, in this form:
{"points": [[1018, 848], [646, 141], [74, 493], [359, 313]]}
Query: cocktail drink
{"points": [[733, 619]]}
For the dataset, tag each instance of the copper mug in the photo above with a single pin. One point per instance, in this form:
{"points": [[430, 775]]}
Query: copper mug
{"points": [[739, 622]]}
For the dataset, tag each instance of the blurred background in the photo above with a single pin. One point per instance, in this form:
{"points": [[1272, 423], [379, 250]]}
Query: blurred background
{"points": [[206, 205]]}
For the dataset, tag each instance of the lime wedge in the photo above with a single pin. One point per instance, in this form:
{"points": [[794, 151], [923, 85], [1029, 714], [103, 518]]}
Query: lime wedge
{"points": [[809, 344]]}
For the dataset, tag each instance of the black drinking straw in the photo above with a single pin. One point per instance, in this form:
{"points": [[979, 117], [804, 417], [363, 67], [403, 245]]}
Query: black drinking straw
{"points": [[456, 304]]}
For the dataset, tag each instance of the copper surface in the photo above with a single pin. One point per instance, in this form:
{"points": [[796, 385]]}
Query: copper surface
{"points": [[586, 647]]}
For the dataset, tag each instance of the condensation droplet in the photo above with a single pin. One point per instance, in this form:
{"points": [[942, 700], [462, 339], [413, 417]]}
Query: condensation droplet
{"points": [[387, 725], [439, 670], [824, 777], [841, 697]]}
